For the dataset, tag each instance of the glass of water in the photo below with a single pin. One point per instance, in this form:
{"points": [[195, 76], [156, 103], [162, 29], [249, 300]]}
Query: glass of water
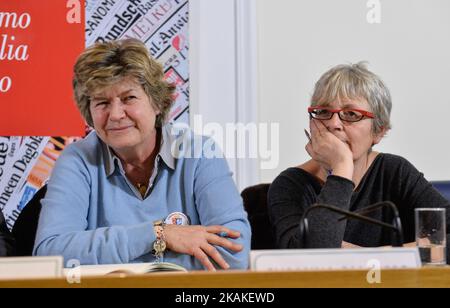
{"points": [[431, 235]]}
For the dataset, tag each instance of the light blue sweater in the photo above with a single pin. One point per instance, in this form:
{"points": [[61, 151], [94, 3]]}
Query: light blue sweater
{"points": [[93, 214]]}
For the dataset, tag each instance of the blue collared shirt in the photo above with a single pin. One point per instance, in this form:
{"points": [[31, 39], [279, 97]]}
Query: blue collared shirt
{"points": [[92, 213]]}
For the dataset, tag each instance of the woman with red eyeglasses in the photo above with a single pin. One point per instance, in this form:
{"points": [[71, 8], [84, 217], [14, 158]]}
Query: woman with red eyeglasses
{"points": [[349, 114]]}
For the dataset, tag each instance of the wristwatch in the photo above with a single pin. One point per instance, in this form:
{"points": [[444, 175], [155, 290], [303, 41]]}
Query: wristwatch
{"points": [[159, 245]]}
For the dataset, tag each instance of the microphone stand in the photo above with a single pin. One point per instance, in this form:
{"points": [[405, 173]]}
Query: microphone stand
{"points": [[396, 226]]}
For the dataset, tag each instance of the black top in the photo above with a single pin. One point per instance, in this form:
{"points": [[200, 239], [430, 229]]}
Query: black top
{"points": [[6, 240], [389, 178]]}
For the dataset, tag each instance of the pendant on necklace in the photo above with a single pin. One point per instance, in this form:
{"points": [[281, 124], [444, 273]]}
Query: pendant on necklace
{"points": [[142, 189]]}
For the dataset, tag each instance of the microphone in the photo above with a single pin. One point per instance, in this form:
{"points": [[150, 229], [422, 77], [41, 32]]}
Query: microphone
{"points": [[396, 226]]}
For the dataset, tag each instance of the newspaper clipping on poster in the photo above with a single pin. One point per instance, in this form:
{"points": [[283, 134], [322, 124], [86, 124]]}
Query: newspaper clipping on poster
{"points": [[26, 162]]}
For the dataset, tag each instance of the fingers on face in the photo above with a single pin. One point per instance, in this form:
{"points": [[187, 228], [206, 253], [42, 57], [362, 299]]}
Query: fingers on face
{"points": [[313, 128], [317, 128]]}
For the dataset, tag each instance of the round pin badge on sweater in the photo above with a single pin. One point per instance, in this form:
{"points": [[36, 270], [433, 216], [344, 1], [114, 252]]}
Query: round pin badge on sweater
{"points": [[177, 218]]}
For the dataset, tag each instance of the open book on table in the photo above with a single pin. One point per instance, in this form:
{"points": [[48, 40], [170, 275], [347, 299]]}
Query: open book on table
{"points": [[130, 269]]}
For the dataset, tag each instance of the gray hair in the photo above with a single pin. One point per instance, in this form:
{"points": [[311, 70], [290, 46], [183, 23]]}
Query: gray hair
{"points": [[352, 81]]}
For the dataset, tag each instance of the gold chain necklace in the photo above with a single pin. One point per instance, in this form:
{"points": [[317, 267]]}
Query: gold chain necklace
{"points": [[142, 189]]}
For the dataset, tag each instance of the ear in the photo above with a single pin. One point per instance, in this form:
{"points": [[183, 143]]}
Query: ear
{"points": [[155, 108], [377, 137]]}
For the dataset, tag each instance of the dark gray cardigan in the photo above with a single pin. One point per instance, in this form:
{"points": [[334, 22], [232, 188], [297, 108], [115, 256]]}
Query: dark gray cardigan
{"points": [[389, 178]]}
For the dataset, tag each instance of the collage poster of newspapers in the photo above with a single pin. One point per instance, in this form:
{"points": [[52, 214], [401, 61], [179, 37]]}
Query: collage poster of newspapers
{"points": [[26, 162]]}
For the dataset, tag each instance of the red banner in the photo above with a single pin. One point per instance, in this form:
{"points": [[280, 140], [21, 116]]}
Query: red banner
{"points": [[39, 43]]}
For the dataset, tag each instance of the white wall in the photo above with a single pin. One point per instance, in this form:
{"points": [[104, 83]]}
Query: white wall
{"points": [[298, 40], [223, 73]]}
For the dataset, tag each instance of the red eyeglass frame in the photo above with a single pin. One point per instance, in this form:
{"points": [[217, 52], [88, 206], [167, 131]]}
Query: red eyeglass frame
{"points": [[363, 112]]}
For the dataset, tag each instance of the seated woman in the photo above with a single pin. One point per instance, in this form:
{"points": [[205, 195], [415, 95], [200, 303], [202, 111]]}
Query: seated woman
{"points": [[349, 114], [6, 239], [125, 193]]}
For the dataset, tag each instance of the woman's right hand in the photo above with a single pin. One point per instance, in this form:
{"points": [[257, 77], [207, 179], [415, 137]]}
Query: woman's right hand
{"points": [[329, 151], [199, 241]]}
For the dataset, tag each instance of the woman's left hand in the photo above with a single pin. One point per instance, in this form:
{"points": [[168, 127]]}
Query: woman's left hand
{"points": [[198, 241]]}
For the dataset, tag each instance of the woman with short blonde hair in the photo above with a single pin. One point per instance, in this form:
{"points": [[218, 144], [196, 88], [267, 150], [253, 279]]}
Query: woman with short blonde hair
{"points": [[121, 195]]}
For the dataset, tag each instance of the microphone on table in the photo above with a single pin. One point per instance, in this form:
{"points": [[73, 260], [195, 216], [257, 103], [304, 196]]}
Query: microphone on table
{"points": [[395, 226]]}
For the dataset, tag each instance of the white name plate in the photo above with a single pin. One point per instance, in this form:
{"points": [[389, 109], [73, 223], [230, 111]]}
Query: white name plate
{"points": [[31, 267], [334, 259]]}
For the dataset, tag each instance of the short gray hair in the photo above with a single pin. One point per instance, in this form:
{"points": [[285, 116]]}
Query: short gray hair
{"points": [[352, 81]]}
